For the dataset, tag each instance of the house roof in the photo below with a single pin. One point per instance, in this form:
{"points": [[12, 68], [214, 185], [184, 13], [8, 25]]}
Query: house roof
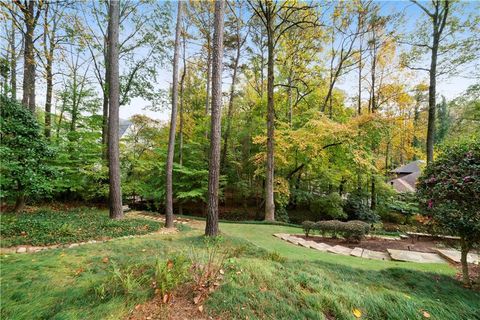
{"points": [[406, 183], [123, 127], [414, 166]]}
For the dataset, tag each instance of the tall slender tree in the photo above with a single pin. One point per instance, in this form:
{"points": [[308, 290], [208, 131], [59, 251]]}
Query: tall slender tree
{"points": [[277, 19], [115, 195], [211, 228], [28, 15], [173, 122]]}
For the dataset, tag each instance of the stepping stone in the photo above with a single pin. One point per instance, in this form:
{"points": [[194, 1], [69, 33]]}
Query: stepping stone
{"points": [[320, 246], [357, 252], [376, 255], [291, 239], [455, 255], [415, 256], [340, 250], [22, 250]]}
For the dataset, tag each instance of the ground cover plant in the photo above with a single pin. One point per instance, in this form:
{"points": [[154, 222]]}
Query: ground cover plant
{"points": [[47, 227]]}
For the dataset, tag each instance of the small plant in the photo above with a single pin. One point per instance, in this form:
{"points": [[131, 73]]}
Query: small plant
{"points": [[308, 226], [129, 281], [208, 267], [274, 256], [170, 274]]}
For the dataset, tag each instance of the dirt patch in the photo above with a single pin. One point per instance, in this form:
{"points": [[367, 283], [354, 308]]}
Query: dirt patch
{"points": [[180, 307], [379, 244]]}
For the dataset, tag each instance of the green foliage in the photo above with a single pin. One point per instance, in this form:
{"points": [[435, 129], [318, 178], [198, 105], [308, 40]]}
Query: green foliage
{"points": [[171, 273], [357, 208], [25, 167], [353, 230], [405, 204], [308, 226], [329, 206], [449, 190], [46, 227]]}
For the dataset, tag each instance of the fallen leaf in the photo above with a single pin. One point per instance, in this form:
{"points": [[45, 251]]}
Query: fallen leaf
{"points": [[263, 289], [426, 314], [200, 308], [137, 306], [357, 313], [143, 250], [196, 300], [221, 271], [165, 298], [105, 260], [169, 264], [80, 270], [157, 291]]}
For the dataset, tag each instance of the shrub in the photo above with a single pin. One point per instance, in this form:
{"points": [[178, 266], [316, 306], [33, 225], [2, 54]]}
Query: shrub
{"points": [[331, 226], [449, 192], [351, 230], [356, 207], [25, 155], [329, 206], [171, 273], [307, 227]]}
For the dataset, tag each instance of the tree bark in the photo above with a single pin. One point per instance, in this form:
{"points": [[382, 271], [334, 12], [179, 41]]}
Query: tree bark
{"points": [[115, 193], [269, 183], [173, 124], [13, 64], [180, 129], [28, 99], [211, 228], [463, 259], [432, 101]]}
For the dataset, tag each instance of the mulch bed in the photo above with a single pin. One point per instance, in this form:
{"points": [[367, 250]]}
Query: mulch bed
{"points": [[378, 244]]}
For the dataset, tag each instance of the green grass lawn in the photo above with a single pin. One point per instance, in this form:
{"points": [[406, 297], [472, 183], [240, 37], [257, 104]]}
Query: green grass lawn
{"points": [[46, 227], [269, 279]]}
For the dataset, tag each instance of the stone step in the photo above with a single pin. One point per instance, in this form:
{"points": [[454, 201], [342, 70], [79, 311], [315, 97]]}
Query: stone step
{"points": [[415, 256], [455, 256], [340, 250], [376, 255], [357, 252]]}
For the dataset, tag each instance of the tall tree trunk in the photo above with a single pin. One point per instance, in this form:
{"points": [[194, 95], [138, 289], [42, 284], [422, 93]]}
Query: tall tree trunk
{"points": [[211, 228], [373, 199], [463, 259], [28, 99], [269, 185], [230, 103], [173, 124], [105, 105], [48, 99], [180, 129], [432, 100], [13, 63], [20, 200], [115, 193]]}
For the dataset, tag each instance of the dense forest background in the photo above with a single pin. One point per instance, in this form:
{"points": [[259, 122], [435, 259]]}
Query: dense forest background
{"points": [[320, 100]]}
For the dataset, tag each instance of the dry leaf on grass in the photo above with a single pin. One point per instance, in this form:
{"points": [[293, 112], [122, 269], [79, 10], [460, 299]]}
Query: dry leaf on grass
{"points": [[357, 313]]}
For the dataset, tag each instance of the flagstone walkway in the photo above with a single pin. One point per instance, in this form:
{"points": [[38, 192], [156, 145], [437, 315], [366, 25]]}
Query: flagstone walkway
{"points": [[442, 255]]}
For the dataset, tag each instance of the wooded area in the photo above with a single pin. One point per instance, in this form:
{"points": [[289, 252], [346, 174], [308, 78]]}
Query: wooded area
{"points": [[350, 118]]}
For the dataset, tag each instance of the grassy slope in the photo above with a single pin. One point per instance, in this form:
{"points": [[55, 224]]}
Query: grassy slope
{"points": [[314, 285], [48, 285]]}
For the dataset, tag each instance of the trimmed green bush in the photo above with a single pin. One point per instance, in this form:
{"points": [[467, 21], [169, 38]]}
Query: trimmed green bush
{"points": [[354, 230], [307, 227]]}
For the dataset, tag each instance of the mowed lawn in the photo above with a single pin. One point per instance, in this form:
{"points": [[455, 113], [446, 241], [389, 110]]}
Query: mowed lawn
{"points": [[266, 278]]}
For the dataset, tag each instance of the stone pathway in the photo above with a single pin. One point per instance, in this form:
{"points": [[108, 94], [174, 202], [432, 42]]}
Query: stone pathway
{"points": [[391, 254], [455, 256]]}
